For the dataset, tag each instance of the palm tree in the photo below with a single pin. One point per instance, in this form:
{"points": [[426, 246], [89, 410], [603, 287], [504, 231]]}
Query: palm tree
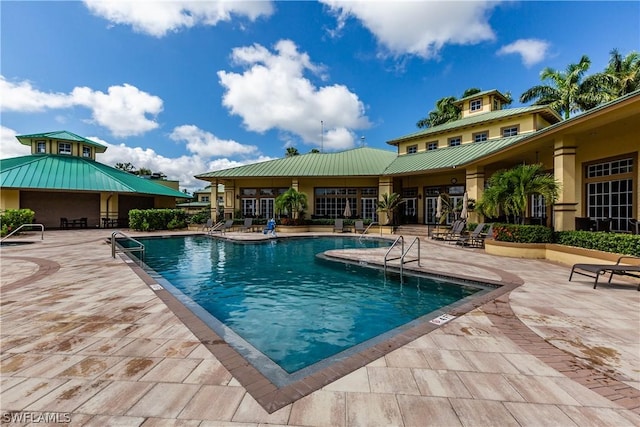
{"points": [[388, 203], [566, 94], [291, 201], [621, 77], [292, 151], [127, 167], [509, 191]]}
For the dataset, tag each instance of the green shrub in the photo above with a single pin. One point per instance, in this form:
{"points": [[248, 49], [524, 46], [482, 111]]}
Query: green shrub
{"points": [[200, 217], [627, 244], [522, 233], [14, 218], [157, 219]]}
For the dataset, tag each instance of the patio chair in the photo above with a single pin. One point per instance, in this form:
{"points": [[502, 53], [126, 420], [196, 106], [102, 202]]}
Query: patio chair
{"points": [[248, 225], [228, 226], [359, 227], [595, 270], [478, 242], [456, 231], [466, 239], [205, 227], [439, 235], [270, 228], [339, 225]]}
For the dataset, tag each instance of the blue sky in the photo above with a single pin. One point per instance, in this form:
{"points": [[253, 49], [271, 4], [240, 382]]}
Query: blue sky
{"points": [[189, 87]]}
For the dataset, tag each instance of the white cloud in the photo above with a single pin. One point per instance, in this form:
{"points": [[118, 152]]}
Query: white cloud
{"points": [[10, 146], [273, 93], [157, 18], [125, 110], [206, 144], [182, 168], [418, 28], [532, 51]]}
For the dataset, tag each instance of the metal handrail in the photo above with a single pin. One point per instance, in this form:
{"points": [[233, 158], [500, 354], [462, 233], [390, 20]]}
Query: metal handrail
{"points": [[395, 242], [139, 248], [367, 229], [25, 225], [402, 261]]}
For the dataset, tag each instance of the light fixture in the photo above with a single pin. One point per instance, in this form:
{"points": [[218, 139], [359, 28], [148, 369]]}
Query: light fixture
{"points": [[454, 180]]}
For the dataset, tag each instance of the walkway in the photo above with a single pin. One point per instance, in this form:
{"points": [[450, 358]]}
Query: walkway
{"points": [[82, 335]]}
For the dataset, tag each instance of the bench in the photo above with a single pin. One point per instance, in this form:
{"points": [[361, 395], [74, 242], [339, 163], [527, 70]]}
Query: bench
{"points": [[595, 270], [73, 223]]}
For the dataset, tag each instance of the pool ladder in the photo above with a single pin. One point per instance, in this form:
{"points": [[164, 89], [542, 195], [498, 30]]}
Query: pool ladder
{"points": [[23, 226], [138, 248], [403, 253]]}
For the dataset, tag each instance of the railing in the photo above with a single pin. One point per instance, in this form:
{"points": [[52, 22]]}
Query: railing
{"points": [[138, 248], [402, 261], [386, 256], [367, 229], [403, 254], [22, 226]]}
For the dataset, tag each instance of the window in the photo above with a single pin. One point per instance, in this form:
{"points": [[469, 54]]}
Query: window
{"points": [[257, 202], [331, 202], [496, 106], [412, 149], [64, 148], [86, 151], [480, 136], [609, 192], [510, 131], [41, 147], [204, 199], [475, 105], [453, 142], [432, 145], [538, 206]]}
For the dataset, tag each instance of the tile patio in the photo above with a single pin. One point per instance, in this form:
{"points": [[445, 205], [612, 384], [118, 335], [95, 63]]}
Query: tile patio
{"points": [[82, 333]]}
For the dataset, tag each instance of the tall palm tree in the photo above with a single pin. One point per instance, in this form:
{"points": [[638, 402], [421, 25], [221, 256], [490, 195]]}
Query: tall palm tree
{"points": [[388, 204], [292, 151], [566, 94], [621, 77], [509, 191]]}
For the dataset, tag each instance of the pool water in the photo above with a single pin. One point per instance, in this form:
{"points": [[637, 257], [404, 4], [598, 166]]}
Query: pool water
{"points": [[288, 304]]}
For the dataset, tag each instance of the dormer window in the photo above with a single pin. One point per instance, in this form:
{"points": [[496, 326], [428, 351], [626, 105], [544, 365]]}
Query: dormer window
{"points": [[41, 147], [412, 149], [480, 136], [432, 145], [475, 105], [86, 151], [510, 131], [454, 142], [64, 148], [496, 105]]}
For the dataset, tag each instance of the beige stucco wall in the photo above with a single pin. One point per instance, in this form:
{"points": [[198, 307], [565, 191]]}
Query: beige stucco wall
{"points": [[9, 199], [108, 205], [526, 123]]}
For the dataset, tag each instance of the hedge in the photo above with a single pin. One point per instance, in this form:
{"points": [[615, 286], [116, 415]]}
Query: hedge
{"points": [[157, 219], [522, 233], [626, 244], [14, 218], [620, 243]]}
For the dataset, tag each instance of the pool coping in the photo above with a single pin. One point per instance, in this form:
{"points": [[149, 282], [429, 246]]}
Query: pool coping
{"points": [[269, 395]]}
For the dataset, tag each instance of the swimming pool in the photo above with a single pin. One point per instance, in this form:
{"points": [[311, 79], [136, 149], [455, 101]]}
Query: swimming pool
{"points": [[287, 311]]}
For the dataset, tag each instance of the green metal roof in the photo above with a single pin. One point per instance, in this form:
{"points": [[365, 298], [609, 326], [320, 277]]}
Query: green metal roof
{"points": [[481, 94], [448, 157], [479, 118], [61, 135], [71, 173], [362, 161]]}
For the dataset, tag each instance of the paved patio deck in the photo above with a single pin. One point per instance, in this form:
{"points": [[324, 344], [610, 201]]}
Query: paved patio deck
{"points": [[83, 335]]}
